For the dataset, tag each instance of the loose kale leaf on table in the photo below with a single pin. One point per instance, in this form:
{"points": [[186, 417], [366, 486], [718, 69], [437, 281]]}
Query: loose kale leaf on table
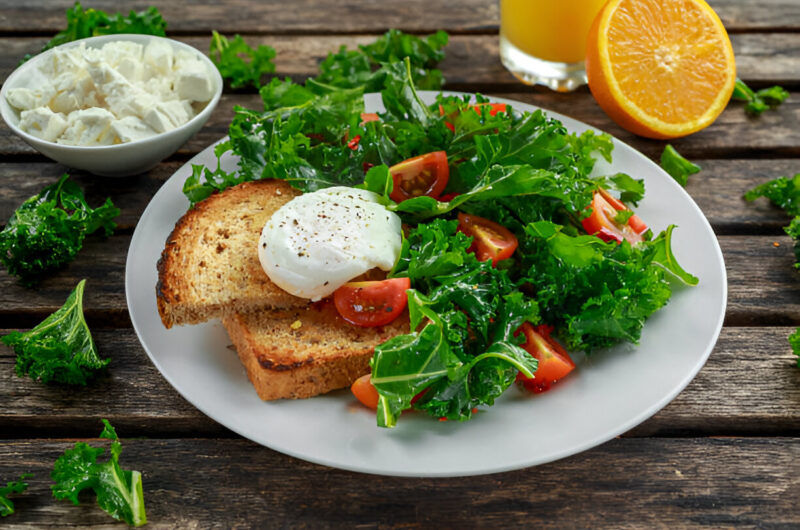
{"points": [[238, 62], [48, 229], [83, 23], [60, 349], [6, 506], [119, 492]]}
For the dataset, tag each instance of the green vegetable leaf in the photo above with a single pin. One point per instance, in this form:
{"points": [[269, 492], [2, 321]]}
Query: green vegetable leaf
{"points": [[594, 293], [83, 23], [48, 229], [794, 342], [238, 62], [60, 349], [119, 492], [6, 506], [784, 192], [678, 167], [793, 230], [758, 102], [664, 257], [366, 66]]}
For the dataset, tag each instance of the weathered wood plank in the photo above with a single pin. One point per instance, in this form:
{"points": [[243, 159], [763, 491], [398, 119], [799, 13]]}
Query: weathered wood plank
{"points": [[361, 16], [733, 135], [663, 483], [763, 288], [751, 372], [718, 190], [472, 61]]}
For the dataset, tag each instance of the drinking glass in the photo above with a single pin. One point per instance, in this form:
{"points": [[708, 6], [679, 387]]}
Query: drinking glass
{"points": [[544, 41]]}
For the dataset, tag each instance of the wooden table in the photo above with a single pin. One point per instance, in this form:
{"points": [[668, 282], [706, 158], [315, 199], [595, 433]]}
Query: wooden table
{"points": [[725, 452]]}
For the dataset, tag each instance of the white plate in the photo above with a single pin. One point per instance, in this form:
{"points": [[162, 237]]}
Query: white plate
{"points": [[608, 394]]}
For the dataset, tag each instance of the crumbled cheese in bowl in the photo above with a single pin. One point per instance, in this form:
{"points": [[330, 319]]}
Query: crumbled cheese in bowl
{"points": [[119, 93]]}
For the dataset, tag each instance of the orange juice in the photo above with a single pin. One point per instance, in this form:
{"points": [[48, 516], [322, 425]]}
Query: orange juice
{"points": [[552, 30]]}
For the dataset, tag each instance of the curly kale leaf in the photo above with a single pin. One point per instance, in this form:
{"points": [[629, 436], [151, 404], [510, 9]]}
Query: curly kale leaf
{"points": [[238, 62], [6, 506], [594, 293], [48, 229], [794, 342], [367, 66], [466, 354], [784, 192], [119, 492], [83, 23], [60, 349]]}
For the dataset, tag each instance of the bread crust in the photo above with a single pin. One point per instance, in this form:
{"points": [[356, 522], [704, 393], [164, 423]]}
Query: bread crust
{"points": [[209, 266], [304, 352]]}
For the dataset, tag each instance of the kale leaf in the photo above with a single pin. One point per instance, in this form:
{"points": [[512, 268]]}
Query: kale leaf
{"points": [[83, 23], [119, 491], [238, 62], [594, 293], [784, 192], [794, 342], [677, 166], [367, 66], [48, 230], [60, 349], [758, 102], [466, 354], [6, 506]]}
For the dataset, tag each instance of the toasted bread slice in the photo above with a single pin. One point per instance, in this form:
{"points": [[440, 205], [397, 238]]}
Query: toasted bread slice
{"points": [[210, 267], [305, 352]]}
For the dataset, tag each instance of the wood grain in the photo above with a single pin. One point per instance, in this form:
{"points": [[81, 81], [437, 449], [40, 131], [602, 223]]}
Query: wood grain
{"points": [[751, 371], [642, 483], [355, 16], [472, 61]]}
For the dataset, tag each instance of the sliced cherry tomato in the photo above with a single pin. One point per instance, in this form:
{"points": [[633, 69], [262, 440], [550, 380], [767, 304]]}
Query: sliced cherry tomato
{"points": [[353, 143], [554, 361], [422, 175], [490, 240], [494, 108], [602, 221], [365, 392], [372, 303], [367, 117]]}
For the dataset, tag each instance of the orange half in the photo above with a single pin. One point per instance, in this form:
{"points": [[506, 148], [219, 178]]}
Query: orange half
{"points": [[660, 68]]}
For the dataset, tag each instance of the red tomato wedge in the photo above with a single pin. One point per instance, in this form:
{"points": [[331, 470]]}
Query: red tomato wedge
{"points": [[602, 221], [494, 108], [367, 117], [365, 392], [422, 175], [554, 361], [373, 303], [490, 240]]}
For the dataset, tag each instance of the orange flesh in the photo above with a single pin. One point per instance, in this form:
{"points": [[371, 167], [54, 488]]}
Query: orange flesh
{"points": [[660, 68]]}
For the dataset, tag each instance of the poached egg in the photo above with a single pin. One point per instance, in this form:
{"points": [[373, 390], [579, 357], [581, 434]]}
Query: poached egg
{"points": [[319, 241]]}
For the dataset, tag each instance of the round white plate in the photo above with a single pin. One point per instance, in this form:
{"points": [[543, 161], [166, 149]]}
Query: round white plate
{"points": [[608, 394]]}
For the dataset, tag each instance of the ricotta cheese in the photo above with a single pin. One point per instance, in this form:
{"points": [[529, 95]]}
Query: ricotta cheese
{"points": [[122, 92]]}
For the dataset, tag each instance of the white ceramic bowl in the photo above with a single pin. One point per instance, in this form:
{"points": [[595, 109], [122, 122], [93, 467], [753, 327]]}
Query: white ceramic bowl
{"points": [[111, 160]]}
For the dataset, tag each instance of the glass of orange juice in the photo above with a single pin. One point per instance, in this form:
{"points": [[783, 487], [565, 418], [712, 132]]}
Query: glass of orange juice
{"points": [[544, 41]]}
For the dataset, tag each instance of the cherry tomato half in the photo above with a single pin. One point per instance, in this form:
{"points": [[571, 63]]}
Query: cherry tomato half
{"points": [[554, 361], [422, 175], [372, 303], [365, 392], [490, 240], [602, 221], [367, 117], [494, 108]]}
